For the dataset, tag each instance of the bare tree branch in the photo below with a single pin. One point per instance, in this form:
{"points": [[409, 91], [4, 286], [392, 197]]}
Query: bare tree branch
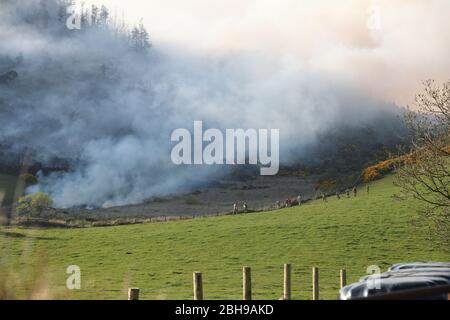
{"points": [[425, 172]]}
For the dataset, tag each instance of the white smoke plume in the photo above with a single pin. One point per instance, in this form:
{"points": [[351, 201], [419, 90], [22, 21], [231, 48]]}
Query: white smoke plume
{"points": [[88, 98], [387, 47]]}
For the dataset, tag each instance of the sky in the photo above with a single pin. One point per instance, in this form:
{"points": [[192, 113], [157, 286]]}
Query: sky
{"points": [[384, 47]]}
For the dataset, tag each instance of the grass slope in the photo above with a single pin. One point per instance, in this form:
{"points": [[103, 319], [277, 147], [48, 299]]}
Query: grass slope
{"points": [[159, 258]]}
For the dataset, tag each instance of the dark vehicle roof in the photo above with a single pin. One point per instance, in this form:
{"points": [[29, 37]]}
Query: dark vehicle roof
{"points": [[401, 277], [420, 265]]}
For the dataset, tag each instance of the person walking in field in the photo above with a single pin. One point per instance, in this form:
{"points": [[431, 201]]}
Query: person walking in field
{"points": [[324, 198], [278, 204], [245, 206], [355, 191], [235, 209], [367, 188], [299, 199]]}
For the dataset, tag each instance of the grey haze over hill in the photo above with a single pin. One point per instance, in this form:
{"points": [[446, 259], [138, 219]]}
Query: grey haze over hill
{"points": [[91, 98]]}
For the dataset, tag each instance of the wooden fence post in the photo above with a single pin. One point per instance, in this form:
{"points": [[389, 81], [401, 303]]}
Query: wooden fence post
{"points": [[343, 278], [287, 282], [133, 294], [198, 286], [315, 283], [247, 283]]}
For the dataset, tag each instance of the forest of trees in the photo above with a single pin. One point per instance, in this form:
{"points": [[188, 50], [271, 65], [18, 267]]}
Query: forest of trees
{"points": [[46, 21], [53, 15]]}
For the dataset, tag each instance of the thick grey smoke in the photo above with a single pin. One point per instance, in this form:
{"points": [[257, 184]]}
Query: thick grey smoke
{"points": [[385, 47], [88, 98]]}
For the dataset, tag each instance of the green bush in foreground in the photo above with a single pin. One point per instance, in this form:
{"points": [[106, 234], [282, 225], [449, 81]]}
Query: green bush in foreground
{"points": [[33, 204]]}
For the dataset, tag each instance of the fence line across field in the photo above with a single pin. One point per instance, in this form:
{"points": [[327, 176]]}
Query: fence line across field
{"points": [[168, 218], [198, 292]]}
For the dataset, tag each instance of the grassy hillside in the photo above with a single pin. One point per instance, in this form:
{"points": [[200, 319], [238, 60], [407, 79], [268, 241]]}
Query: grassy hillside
{"points": [[354, 233]]}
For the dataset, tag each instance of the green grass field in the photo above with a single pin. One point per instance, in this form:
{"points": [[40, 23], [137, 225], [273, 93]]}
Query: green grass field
{"points": [[159, 258]]}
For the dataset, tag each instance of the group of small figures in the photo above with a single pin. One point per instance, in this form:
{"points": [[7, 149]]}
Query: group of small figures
{"points": [[236, 209], [299, 201], [347, 193], [289, 202]]}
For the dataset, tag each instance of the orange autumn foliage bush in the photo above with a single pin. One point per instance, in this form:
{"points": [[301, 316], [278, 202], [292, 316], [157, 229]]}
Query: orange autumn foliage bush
{"points": [[381, 168]]}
